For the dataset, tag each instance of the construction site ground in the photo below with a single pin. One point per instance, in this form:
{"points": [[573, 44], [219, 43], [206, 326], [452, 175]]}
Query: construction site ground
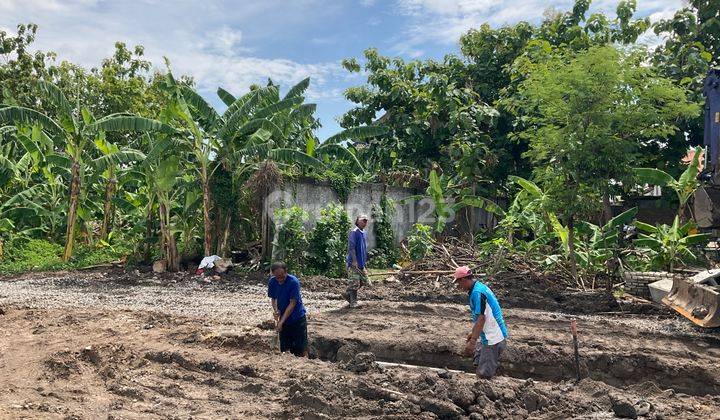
{"points": [[112, 344]]}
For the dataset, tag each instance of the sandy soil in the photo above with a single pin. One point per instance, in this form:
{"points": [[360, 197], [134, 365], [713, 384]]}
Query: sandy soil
{"points": [[122, 345]]}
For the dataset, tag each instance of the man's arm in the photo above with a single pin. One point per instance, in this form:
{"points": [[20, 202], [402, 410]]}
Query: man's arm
{"points": [[472, 338], [287, 313], [352, 242], [276, 312], [477, 329]]}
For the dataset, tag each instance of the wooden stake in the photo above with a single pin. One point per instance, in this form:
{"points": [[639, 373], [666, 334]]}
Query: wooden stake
{"points": [[573, 330]]}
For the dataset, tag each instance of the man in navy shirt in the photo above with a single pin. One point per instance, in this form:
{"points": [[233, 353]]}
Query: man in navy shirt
{"points": [[356, 260], [289, 312]]}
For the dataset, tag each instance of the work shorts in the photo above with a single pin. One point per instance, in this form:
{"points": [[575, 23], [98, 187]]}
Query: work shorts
{"points": [[487, 358], [293, 338]]}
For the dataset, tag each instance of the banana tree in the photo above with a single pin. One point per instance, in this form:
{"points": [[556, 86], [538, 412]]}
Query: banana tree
{"points": [[164, 179], [69, 135], [110, 161], [684, 186], [602, 241], [214, 137], [671, 245], [444, 206], [528, 211]]}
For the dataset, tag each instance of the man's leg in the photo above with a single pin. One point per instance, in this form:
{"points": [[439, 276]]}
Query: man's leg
{"points": [[300, 341], [285, 339], [487, 359], [354, 281]]}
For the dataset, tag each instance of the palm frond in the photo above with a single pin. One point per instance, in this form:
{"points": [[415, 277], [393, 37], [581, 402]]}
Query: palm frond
{"points": [[225, 96], [298, 89], [357, 133], [21, 115], [124, 122]]}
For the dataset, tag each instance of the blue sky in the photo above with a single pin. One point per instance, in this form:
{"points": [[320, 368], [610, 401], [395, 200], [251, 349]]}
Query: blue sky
{"points": [[235, 43]]}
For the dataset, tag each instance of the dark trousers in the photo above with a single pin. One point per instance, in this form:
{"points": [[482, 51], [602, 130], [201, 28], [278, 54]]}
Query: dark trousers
{"points": [[293, 337]]}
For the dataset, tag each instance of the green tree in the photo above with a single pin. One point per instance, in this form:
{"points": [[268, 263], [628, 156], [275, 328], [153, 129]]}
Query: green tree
{"points": [[20, 68], [586, 115], [691, 48], [70, 133], [684, 187]]}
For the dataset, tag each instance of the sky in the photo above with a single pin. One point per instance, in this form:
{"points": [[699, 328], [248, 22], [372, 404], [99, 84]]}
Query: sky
{"points": [[234, 44]]}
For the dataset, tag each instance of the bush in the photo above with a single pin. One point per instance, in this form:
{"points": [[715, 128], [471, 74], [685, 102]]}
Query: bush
{"points": [[41, 255], [328, 242], [420, 241], [32, 255], [386, 251], [291, 240]]}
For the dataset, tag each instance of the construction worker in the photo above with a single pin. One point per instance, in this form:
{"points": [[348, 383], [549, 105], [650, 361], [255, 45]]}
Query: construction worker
{"points": [[288, 310], [356, 260], [487, 339]]}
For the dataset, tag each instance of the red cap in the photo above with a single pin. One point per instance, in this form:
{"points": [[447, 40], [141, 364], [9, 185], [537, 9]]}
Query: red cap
{"points": [[461, 272]]}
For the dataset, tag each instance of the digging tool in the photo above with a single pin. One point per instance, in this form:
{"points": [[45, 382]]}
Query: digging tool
{"points": [[573, 330]]}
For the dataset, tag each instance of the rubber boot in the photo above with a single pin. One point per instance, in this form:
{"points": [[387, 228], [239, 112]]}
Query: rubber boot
{"points": [[347, 296], [353, 297]]}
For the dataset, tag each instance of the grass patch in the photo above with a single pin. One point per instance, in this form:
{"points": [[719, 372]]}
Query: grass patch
{"points": [[41, 255]]}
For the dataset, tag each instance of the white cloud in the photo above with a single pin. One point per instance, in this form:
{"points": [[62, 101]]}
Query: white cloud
{"points": [[367, 3], [444, 21], [201, 39], [224, 40]]}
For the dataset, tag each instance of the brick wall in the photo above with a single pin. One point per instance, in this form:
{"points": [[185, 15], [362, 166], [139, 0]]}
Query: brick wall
{"points": [[636, 282]]}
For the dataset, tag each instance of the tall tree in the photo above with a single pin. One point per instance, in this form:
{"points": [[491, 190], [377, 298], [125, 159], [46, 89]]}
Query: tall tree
{"points": [[67, 137], [691, 48], [587, 115]]}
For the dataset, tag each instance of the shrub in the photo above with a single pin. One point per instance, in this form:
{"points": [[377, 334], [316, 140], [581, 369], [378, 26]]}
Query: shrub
{"points": [[41, 255], [32, 255], [328, 243], [420, 241], [291, 240]]}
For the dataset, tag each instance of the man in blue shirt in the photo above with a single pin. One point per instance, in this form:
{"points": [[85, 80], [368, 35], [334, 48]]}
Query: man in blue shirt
{"points": [[356, 260], [487, 339], [288, 309]]}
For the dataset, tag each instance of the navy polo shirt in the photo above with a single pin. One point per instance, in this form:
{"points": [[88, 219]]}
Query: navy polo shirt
{"points": [[290, 289]]}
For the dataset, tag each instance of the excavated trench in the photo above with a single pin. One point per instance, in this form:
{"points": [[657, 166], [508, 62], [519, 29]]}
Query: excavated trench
{"points": [[532, 360]]}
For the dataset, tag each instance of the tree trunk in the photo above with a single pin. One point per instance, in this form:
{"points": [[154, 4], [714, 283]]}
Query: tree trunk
{"points": [[171, 252], [107, 205], [223, 246], [265, 230], [607, 208], [681, 212], [219, 223], [571, 247], [148, 231], [72, 210], [206, 212], [2, 248]]}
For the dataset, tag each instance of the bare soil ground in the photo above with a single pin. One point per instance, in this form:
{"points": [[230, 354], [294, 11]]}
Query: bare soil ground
{"points": [[122, 345]]}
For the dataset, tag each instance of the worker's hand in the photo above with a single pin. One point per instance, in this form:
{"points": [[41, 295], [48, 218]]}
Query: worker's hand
{"points": [[355, 265], [279, 327], [469, 348], [365, 271], [276, 315]]}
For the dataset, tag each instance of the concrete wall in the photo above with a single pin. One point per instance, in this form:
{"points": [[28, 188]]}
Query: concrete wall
{"points": [[313, 196]]}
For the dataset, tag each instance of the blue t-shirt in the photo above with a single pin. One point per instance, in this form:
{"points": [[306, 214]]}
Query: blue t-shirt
{"points": [[290, 289], [483, 302], [356, 242]]}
